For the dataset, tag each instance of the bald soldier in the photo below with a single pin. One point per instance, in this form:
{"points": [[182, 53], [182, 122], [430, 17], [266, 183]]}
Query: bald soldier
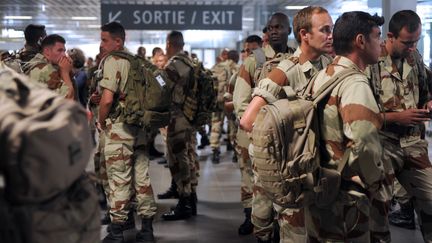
{"points": [[278, 29]]}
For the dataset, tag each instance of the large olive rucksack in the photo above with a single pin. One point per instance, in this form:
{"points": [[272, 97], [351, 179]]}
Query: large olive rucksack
{"points": [[45, 147], [200, 100], [285, 142], [147, 94]]}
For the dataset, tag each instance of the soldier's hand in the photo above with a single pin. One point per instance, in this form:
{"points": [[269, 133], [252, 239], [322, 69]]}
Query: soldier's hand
{"points": [[95, 98], [70, 94], [413, 116], [65, 64]]}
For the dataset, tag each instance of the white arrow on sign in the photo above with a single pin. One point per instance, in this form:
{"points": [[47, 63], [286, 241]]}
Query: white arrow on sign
{"points": [[113, 18]]}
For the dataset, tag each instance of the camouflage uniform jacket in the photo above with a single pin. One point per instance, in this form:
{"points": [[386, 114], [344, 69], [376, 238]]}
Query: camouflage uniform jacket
{"points": [[289, 73], [350, 118], [115, 71], [401, 92], [223, 72], [180, 75], [39, 69], [243, 87]]}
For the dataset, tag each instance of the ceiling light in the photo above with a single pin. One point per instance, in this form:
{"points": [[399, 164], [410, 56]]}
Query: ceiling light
{"points": [[294, 7], [248, 19], [83, 18], [17, 17]]}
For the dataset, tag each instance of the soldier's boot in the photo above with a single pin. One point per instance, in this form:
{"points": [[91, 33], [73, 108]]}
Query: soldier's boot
{"points": [[145, 235], [170, 193], [116, 231], [247, 227], [194, 200], [404, 217], [181, 211], [229, 146], [216, 156], [204, 141]]}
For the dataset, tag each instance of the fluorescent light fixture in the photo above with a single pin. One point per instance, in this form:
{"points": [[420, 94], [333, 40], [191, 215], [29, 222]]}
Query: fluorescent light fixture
{"points": [[93, 26], [83, 18], [294, 7], [17, 17], [248, 19]]}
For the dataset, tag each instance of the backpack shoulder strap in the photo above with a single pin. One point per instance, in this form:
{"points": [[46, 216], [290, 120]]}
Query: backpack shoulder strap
{"points": [[328, 86]]}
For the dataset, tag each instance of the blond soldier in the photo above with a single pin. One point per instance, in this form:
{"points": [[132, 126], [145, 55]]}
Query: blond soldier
{"points": [[404, 94], [127, 164], [52, 67], [349, 124], [313, 31], [278, 29]]}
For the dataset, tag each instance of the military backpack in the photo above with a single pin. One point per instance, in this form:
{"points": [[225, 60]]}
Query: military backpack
{"points": [[286, 153], [45, 146], [147, 97], [200, 100]]}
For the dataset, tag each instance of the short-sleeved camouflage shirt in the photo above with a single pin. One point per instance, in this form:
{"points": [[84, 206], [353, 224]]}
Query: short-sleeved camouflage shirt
{"points": [[351, 119]]}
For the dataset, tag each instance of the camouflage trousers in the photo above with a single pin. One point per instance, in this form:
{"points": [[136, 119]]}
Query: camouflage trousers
{"points": [[179, 146], [345, 220], [216, 129], [100, 166], [245, 165], [399, 193], [291, 221], [291, 224], [127, 169], [194, 166], [413, 170], [232, 130]]}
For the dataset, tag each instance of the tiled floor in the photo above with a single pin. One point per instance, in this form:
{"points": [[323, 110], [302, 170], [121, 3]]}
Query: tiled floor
{"points": [[219, 209]]}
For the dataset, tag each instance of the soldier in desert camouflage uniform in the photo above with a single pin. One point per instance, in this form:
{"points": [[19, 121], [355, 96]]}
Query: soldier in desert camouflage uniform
{"points": [[349, 123], [52, 67], [127, 162], [403, 91], [279, 29], [313, 31], [180, 142], [223, 72]]}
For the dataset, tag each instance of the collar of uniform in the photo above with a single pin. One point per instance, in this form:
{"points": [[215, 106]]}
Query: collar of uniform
{"points": [[307, 65], [345, 62], [269, 52], [40, 56]]}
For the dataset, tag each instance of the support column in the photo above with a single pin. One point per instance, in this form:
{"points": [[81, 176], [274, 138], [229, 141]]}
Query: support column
{"points": [[389, 7]]}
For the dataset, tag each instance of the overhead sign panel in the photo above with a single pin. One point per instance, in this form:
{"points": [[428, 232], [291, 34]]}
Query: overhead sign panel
{"points": [[173, 17]]}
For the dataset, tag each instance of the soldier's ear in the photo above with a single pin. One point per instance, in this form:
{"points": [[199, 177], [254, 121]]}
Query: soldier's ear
{"points": [[360, 41]]}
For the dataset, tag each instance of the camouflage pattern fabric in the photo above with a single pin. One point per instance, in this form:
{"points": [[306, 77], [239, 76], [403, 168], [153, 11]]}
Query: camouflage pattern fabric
{"points": [[180, 132], [179, 142], [195, 166], [399, 193], [350, 119], [405, 149], [38, 68], [241, 98], [125, 156], [223, 72]]}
